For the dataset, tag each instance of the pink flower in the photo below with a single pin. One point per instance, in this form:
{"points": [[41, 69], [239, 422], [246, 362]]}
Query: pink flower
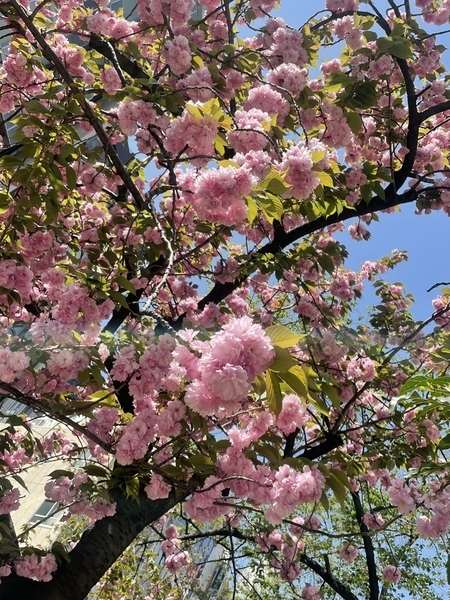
{"points": [[253, 138], [174, 562], [157, 488], [402, 496], [298, 164], [348, 553], [36, 567], [361, 368], [111, 81], [373, 521], [268, 100], [391, 573], [236, 355], [228, 382], [170, 546], [9, 501], [292, 415], [292, 488], [178, 54], [311, 592], [5, 571], [193, 135], [219, 195], [288, 76]]}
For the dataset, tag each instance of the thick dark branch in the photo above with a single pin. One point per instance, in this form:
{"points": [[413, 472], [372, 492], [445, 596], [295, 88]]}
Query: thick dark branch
{"points": [[328, 578], [284, 239], [129, 66], [331, 442], [368, 547], [120, 314], [97, 550], [414, 121], [9, 391], [290, 443], [9, 536], [117, 318], [434, 110]]}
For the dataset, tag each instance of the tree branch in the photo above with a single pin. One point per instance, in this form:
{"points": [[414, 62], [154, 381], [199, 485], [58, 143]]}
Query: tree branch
{"points": [[97, 550], [368, 547], [36, 404], [331, 442], [327, 577], [89, 113], [283, 239]]}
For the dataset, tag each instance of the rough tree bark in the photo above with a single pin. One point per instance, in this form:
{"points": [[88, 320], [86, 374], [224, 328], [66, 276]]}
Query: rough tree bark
{"points": [[97, 550]]}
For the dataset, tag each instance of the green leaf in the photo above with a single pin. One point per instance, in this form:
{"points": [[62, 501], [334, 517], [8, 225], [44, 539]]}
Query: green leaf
{"points": [[448, 569], [364, 96], [325, 179], [319, 404], [221, 445], [283, 361], [101, 395], [318, 155], [20, 481], [60, 473], [118, 298], [201, 463], [282, 337], [132, 488], [60, 552], [444, 443], [269, 452], [270, 205], [277, 186], [252, 212], [125, 284], [338, 81], [354, 121], [297, 380], [173, 471], [274, 397], [96, 471], [5, 198], [325, 502], [396, 46], [34, 106], [332, 394], [342, 478], [340, 491], [326, 263], [194, 110], [71, 178], [379, 190]]}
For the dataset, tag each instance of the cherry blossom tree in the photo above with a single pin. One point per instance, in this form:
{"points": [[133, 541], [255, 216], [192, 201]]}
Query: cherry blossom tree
{"points": [[173, 287]]}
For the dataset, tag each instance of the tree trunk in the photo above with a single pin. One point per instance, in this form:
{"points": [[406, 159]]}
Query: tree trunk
{"points": [[96, 551]]}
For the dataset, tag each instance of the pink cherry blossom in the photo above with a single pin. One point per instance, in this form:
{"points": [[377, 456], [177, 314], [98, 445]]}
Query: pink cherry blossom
{"points": [[391, 573]]}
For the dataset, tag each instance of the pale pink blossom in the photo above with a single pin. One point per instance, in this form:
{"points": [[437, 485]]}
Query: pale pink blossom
{"points": [[392, 574], [157, 488], [348, 553], [36, 567]]}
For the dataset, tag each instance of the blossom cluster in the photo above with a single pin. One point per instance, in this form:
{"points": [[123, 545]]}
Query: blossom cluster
{"points": [[225, 220]]}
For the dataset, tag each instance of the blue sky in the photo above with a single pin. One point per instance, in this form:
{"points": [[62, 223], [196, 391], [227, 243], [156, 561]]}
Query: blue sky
{"points": [[425, 237]]}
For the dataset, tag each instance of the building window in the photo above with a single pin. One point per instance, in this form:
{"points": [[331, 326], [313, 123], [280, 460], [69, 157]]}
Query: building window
{"points": [[217, 581], [46, 509]]}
